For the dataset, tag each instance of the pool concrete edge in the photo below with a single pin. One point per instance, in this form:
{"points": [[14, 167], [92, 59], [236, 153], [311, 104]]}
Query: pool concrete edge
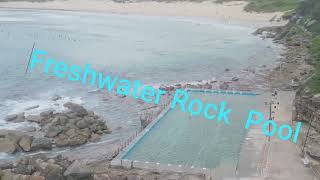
{"points": [[121, 161]]}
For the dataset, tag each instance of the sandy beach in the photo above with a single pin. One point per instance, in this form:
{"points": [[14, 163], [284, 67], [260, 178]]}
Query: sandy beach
{"points": [[226, 11]]}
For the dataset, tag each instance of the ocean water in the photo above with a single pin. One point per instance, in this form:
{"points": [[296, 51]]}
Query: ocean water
{"points": [[151, 49]]}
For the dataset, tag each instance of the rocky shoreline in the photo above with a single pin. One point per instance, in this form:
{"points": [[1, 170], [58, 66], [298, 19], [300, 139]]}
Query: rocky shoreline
{"points": [[292, 74], [295, 67], [41, 167], [74, 127], [307, 107]]}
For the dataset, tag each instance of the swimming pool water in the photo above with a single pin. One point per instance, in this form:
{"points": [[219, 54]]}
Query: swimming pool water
{"points": [[181, 139]]}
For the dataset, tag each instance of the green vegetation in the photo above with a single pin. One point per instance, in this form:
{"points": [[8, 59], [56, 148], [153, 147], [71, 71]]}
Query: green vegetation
{"points": [[314, 83], [310, 11], [315, 48], [271, 5]]}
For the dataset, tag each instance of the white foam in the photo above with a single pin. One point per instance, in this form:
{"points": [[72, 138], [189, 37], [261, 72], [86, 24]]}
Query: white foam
{"points": [[9, 19], [44, 104], [3, 155]]}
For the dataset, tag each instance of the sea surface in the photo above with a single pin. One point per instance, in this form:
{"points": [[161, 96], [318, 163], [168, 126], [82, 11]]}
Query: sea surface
{"points": [[154, 50]]}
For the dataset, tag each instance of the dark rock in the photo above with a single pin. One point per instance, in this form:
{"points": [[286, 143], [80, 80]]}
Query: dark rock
{"points": [[224, 86], [53, 131], [56, 98], [207, 86], [118, 128], [29, 129], [63, 119], [95, 137], [12, 176], [47, 113], [95, 128], [6, 164], [41, 144], [7, 146], [82, 124], [76, 108], [23, 169], [78, 171], [25, 143], [31, 107], [235, 79], [16, 118], [63, 162], [313, 150], [11, 117], [90, 119], [102, 177], [72, 137], [71, 115], [34, 118], [53, 172], [294, 44], [14, 136], [55, 121], [80, 176]]}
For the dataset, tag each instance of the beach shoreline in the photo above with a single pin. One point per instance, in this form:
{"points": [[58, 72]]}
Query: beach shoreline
{"points": [[231, 11]]}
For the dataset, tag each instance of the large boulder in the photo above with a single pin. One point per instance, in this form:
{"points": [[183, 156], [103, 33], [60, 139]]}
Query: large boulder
{"points": [[23, 169], [82, 124], [56, 98], [53, 131], [7, 145], [72, 137], [25, 143], [47, 113], [41, 144], [102, 177], [70, 128], [32, 107], [52, 171], [11, 117], [34, 118], [95, 137], [16, 118], [7, 175], [76, 108], [235, 79], [78, 170], [6, 164], [14, 136]]}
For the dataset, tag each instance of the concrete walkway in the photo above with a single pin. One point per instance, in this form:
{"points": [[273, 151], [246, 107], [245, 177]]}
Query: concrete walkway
{"points": [[283, 160]]}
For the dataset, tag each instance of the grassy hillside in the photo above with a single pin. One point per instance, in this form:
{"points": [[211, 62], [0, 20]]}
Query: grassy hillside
{"points": [[314, 83], [269, 5], [310, 11]]}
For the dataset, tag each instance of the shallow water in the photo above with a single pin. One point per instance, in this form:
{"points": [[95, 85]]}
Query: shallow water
{"points": [[151, 49]]}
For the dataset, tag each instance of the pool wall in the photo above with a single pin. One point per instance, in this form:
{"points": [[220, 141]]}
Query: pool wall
{"points": [[121, 159]]}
